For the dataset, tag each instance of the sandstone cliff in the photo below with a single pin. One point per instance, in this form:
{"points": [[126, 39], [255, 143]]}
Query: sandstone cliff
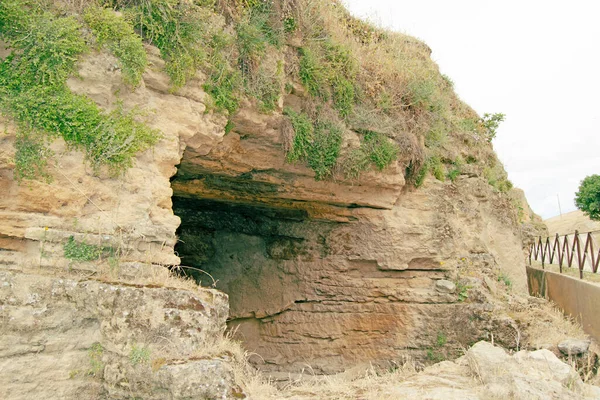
{"points": [[321, 274]]}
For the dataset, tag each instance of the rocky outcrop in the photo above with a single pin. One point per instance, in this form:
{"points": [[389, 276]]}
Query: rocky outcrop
{"points": [[329, 293], [119, 326], [74, 338], [326, 274]]}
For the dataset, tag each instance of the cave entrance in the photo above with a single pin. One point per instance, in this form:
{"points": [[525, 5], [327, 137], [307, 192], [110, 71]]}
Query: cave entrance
{"points": [[256, 254], [225, 242]]}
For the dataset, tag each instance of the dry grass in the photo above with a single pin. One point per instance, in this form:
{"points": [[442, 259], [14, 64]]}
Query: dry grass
{"points": [[570, 222], [357, 383], [545, 325]]}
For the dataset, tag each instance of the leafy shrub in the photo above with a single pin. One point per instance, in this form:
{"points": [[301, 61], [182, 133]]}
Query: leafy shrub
{"points": [[453, 174], [34, 93], [81, 251], [181, 30], [31, 157], [456, 168], [490, 123], [587, 198], [318, 143], [381, 150], [325, 149], [45, 50], [328, 70], [421, 175], [312, 74], [463, 290], [110, 139], [290, 24], [303, 135], [343, 96], [123, 42], [223, 89]]}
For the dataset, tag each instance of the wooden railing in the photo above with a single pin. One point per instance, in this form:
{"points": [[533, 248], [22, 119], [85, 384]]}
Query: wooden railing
{"points": [[565, 249]]}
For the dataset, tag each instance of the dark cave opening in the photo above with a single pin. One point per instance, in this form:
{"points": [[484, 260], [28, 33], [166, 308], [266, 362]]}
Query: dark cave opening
{"points": [[249, 251]]}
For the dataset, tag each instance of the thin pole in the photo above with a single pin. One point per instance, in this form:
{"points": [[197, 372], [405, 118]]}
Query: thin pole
{"points": [[559, 209]]}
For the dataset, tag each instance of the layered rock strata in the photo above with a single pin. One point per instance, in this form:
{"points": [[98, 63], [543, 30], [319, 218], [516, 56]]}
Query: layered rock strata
{"points": [[325, 274]]}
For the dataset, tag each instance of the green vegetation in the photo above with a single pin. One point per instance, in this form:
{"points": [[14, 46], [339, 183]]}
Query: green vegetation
{"points": [[380, 84], [115, 32], [312, 74], [139, 355], [490, 123], [380, 150], [328, 70], [441, 339], [31, 156], [463, 290], [434, 165], [587, 198], [502, 277], [192, 36], [81, 251], [303, 135], [497, 178], [436, 354], [375, 149], [455, 168], [33, 91], [318, 143], [95, 356], [325, 148], [453, 174]]}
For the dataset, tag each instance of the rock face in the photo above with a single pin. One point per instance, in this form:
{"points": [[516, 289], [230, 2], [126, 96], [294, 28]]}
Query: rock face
{"points": [[325, 274], [336, 273], [68, 339], [65, 332], [329, 293]]}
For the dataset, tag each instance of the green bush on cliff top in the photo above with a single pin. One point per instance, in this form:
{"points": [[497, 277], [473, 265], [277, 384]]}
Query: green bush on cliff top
{"points": [[33, 91], [363, 78]]}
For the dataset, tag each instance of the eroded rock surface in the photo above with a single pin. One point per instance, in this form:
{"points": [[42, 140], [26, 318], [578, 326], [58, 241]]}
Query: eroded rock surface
{"points": [[326, 274], [73, 339]]}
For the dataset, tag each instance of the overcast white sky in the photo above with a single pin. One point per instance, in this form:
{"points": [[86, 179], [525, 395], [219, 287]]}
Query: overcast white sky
{"points": [[536, 61]]}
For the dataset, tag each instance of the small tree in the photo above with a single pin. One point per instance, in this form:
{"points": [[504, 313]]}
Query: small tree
{"points": [[587, 199]]}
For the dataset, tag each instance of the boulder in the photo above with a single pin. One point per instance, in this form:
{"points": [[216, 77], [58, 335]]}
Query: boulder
{"points": [[574, 347]]}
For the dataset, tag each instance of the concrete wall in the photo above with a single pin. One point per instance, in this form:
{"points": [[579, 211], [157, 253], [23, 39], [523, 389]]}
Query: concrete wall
{"points": [[575, 297]]}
